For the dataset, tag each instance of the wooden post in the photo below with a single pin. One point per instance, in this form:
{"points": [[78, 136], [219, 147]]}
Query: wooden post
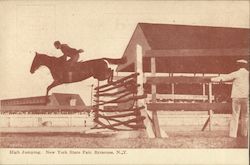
{"points": [[210, 112], [141, 102], [9, 122], [210, 101], [153, 92], [91, 97], [96, 107], [204, 91], [172, 91]]}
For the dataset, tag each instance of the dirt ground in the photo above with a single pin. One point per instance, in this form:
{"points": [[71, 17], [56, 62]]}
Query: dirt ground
{"points": [[182, 139]]}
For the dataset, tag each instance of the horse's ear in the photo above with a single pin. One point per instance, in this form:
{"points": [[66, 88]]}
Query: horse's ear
{"points": [[37, 54]]}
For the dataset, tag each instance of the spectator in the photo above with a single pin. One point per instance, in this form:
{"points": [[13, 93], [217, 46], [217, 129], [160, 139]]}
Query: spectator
{"points": [[239, 95]]}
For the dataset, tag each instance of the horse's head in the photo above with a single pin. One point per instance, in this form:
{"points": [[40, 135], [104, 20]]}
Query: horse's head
{"points": [[36, 63]]}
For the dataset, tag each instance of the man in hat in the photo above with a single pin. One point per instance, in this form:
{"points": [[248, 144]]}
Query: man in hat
{"points": [[67, 51], [239, 95]]}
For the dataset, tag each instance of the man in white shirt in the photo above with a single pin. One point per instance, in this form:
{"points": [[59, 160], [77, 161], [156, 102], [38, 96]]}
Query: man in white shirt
{"points": [[239, 95]]}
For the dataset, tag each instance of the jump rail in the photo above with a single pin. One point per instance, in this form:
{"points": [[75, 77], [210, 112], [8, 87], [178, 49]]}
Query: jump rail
{"points": [[118, 81], [178, 79], [217, 107], [119, 119], [43, 107]]}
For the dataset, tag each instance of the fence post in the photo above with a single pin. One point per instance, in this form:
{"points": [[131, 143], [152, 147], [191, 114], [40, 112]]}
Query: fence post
{"points": [[141, 102], [153, 91], [210, 111]]}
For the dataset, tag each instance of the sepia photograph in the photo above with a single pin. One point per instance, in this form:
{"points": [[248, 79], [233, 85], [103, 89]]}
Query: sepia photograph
{"points": [[129, 82]]}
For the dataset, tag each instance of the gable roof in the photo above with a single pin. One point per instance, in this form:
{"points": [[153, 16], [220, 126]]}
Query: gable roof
{"points": [[187, 48], [167, 36]]}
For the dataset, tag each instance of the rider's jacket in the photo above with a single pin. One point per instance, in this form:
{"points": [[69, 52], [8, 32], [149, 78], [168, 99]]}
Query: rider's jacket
{"points": [[68, 51]]}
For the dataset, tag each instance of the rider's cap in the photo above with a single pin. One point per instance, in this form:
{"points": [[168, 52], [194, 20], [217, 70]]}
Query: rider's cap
{"points": [[57, 43], [242, 61]]}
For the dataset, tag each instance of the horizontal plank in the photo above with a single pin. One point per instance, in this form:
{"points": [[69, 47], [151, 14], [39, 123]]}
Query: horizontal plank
{"points": [[197, 52], [75, 116], [43, 107], [178, 79], [120, 75], [220, 107], [179, 97], [132, 76], [47, 130]]}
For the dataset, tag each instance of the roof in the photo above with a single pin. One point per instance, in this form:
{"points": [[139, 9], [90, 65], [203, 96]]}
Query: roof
{"points": [[187, 48], [168, 36], [55, 99], [64, 98]]}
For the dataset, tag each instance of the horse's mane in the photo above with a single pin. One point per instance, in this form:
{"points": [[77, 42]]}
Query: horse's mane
{"points": [[46, 56]]}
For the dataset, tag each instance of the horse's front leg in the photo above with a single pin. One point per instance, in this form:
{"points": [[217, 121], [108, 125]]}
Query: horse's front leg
{"points": [[52, 85], [111, 75]]}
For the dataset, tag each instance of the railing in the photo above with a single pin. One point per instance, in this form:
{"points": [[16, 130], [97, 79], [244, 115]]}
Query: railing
{"points": [[41, 108]]}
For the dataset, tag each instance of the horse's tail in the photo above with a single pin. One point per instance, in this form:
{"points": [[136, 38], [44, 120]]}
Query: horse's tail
{"points": [[116, 61]]}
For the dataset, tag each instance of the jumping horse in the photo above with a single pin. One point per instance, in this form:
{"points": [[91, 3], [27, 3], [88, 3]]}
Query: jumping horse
{"points": [[64, 72]]}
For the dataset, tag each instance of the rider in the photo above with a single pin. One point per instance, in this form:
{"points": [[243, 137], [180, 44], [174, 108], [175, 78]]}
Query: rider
{"points": [[68, 52]]}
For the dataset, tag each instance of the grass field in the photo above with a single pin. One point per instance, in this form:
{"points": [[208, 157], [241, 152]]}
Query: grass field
{"points": [[182, 139]]}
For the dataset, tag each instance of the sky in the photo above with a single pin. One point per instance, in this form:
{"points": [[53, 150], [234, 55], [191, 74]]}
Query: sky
{"points": [[101, 28]]}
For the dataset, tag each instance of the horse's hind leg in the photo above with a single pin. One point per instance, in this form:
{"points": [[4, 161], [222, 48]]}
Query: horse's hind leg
{"points": [[111, 75], [53, 84]]}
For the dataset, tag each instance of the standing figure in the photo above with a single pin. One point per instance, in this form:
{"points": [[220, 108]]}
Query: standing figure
{"points": [[239, 95], [68, 52]]}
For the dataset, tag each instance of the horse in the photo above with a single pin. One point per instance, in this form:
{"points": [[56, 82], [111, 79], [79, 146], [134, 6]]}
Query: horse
{"points": [[64, 72]]}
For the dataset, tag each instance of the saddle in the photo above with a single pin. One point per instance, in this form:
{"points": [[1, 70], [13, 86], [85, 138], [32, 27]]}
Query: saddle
{"points": [[69, 66]]}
